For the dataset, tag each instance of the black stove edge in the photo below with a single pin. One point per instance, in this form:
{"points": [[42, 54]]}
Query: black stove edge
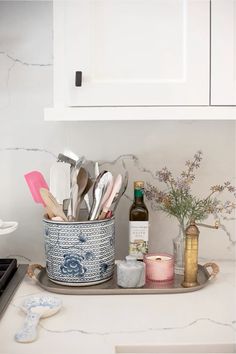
{"points": [[12, 286]]}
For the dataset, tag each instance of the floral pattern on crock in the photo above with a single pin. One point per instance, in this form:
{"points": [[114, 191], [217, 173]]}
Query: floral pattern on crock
{"points": [[72, 265], [112, 239], [89, 256], [103, 267], [82, 238]]}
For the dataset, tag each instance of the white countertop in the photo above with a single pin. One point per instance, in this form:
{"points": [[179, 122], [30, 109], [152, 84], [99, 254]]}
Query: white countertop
{"points": [[99, 324]]}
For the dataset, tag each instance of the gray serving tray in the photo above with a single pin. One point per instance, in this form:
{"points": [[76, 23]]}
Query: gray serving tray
{"points": [[110, 287]]}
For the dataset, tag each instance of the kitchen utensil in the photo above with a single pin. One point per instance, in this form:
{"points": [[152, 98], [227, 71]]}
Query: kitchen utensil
{"points": [[36, 307], [96, 169], [60, 181], [73, 194], [67, 159], [116, 200], [79, 162], [6, 227], [106, 193], [85, 193], [69, 206], [98, 192], [88, 196], [52, 203], [35, 181], [89, 166], [65, 206], [73, 159], [87, 202], [57, 218], [114, 194], [82, 180]]}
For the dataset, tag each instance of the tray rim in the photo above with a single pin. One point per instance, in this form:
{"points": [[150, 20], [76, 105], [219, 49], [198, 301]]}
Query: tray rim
{"points": [[90, 290]]}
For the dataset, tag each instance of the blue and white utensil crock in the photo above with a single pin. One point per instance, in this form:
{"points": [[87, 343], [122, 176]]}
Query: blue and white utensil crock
{"points": [[79, 253]]}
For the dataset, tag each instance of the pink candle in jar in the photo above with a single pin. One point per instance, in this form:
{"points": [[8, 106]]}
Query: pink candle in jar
{"points": [[159, 266]]}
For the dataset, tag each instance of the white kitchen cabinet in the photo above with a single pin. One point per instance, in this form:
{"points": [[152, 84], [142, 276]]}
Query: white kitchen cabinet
{"points": [[223, 52], [144, 59], [132, 52]]}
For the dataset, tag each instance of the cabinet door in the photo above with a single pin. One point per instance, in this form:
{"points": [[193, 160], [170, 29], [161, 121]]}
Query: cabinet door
{"points": [[136, 52], [223, 52]]}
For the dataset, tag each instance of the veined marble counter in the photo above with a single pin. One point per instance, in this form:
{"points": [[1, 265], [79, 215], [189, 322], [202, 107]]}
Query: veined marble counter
{"points": [[105, 324]]}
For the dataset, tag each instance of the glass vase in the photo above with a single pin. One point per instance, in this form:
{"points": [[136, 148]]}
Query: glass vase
{"points": [[178, 250]]}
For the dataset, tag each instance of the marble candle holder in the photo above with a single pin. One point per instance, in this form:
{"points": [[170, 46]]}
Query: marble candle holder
{"points": [[130, 273], [159, 266]]}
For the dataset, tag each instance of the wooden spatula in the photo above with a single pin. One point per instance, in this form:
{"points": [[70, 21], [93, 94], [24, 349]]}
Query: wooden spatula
{"points": [[52, 204]]}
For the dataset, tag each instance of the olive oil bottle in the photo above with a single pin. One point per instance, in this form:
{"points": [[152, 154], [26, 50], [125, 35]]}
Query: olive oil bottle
{"points": [[138, 223]]}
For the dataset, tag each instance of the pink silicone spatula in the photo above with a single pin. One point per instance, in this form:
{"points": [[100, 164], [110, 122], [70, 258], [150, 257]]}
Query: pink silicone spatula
{"points": [[36, 181]]}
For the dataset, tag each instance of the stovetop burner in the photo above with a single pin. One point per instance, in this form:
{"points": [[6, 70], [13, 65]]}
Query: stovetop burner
{"points": [[11, 276], [7, 270]]}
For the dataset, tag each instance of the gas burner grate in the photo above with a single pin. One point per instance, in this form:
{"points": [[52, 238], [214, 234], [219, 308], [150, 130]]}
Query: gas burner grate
{"points": [[8, 268], [11, 275]]}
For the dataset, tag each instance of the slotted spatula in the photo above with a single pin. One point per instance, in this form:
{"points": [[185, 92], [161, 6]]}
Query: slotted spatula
{"points": [[60, 181]]}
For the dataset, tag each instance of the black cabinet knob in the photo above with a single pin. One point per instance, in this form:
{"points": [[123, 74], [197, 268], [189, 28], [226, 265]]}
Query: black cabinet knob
{"points": [[78, 78]]}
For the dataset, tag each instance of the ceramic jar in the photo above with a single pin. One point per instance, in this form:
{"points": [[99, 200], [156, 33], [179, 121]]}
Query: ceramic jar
{"points": [[80, 253], [131, 273]]}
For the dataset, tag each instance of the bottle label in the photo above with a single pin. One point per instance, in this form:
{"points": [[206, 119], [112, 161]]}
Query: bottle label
{"points": [[138, 238]]}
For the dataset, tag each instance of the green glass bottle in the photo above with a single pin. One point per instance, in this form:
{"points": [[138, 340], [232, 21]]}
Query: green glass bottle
{"points": [[138, 223]]}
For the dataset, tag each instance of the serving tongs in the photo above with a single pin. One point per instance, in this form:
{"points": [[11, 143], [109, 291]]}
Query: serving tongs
{"points": [[82, 182], [101, 185], [116, 199], [70, 196], [113, 196]]}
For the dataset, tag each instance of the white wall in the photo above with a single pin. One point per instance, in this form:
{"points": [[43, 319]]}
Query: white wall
{"points": [[28, 143]]}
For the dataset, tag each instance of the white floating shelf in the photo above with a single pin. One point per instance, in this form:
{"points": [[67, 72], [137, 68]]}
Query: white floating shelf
{"points": [[140, 113]]}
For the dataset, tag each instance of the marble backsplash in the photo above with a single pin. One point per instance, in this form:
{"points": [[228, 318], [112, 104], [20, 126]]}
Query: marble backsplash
{"points": [[29, 143]]}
